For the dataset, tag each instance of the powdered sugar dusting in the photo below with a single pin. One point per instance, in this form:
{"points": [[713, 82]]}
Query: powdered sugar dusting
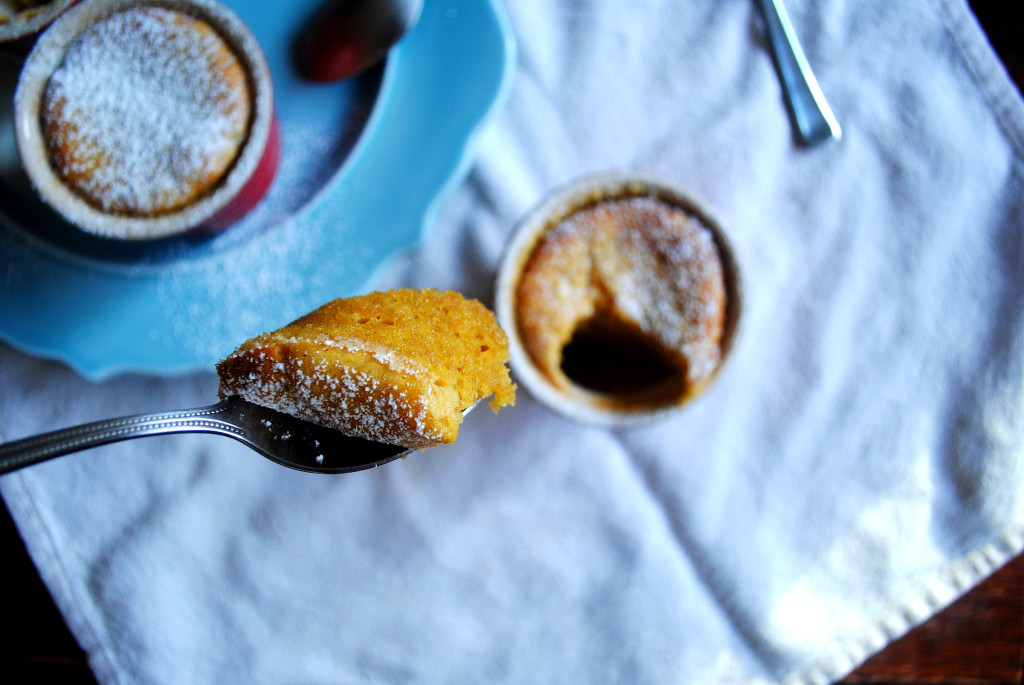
{"points": [[642, 259], [382, 354], [674, 286], [150, 108], [333, 395]]}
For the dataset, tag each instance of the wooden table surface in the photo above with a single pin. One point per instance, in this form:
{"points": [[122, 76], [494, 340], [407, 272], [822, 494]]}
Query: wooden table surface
{"points": [[979, 640]]}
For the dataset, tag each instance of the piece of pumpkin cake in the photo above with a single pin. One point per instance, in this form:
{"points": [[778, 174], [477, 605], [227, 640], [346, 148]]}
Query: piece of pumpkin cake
{"points": [[398, 366]]}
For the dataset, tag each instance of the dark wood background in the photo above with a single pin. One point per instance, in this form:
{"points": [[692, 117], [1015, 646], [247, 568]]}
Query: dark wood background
{"points": [[979, 640]]}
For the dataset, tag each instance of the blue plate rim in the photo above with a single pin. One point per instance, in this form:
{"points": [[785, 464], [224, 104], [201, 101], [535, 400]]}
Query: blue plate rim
{"points": [[497, 94]]}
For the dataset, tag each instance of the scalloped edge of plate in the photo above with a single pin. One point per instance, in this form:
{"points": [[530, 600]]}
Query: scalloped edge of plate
{"points": [[99, 367]]}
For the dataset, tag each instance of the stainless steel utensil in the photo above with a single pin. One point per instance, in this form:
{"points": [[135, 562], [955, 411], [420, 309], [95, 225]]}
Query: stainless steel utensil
{"points": [[811, 114], [282, 438]]}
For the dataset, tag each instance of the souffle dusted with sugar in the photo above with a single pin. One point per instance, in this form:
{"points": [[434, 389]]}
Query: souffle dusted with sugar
{"points": [[140, 120], [621, 298], [147, 111]]}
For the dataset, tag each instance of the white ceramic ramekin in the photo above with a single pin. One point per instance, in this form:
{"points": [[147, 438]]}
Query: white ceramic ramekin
{"points": [[577, 402], [244, 184]]}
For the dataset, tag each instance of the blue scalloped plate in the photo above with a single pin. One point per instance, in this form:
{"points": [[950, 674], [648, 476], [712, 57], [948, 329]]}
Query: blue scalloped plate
{"points": [[365, 164]]}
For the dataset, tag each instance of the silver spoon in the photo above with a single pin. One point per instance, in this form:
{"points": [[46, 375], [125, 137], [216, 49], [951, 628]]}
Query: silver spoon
{"points": [[346, 36], [812, 116], [282, 438]]}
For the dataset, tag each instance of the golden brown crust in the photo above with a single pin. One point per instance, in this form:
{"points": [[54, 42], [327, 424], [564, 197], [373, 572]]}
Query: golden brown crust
{"points": [[398, 366], [633, 267], [147, 112]]}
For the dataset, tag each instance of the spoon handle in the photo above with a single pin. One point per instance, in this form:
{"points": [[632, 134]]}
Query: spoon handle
{"points": [[32, 450], [812, 116]]}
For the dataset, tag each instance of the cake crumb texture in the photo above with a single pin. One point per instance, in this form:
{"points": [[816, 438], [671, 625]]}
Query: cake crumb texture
{"points": [[397, 366]]}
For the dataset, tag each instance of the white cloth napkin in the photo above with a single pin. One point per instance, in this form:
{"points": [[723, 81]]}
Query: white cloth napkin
{"points": [[857, 466]]}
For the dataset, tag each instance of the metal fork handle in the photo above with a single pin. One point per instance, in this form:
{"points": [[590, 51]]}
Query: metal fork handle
{"points": [[814, 120], [27, 451]]}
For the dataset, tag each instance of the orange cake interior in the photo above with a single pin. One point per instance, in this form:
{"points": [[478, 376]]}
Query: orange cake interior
{"points": [[398, 366]]}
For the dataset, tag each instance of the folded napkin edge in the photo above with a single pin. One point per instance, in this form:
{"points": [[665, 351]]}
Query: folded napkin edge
{"points": [[986, 70], [937, 592]]}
